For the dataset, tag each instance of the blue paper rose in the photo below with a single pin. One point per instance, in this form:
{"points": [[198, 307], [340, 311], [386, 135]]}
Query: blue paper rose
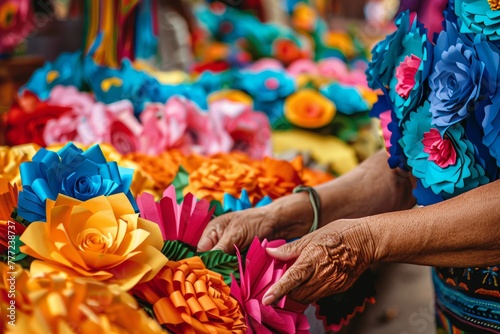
{"points": [[71, 172], [479, 17], [401, 64], [459, 81], [347, 99], [66, 70], [265, 86], [459, 174], [232, 204]]}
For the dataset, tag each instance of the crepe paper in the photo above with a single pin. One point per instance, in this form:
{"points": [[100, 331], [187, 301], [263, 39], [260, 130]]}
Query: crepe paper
{"points": [[66, 70], [47, 305], [336, 311], [309, 109], [102, 238], [72, 172], [188, 298], [183, 222], [232, 204], [259, 272], [14, 24], [217, 261]]}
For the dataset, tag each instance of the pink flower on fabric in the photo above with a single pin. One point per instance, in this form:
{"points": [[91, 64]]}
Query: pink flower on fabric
{"points": [[183, 222], [164, 125], [258, 274], [440, 150], [250, 131], [405, 73], [303, 66]]}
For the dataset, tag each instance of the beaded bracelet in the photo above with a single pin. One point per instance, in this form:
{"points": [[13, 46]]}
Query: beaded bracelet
{"points": [[315, 202]]}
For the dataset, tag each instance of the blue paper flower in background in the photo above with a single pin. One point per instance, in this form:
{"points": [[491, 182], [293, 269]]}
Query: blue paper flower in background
{"points": [[66, 70], [459, 79], [265, 86], [477, 16], [274, 111], [71, 172], [232, 204], [158, 92], [211, 81], [454, 179], [347, 99]]}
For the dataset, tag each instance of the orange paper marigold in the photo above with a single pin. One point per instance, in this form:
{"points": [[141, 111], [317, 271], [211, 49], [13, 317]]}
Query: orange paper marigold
{"points": [[58, 303], [102, 238], [307, 108], [188, 298]]}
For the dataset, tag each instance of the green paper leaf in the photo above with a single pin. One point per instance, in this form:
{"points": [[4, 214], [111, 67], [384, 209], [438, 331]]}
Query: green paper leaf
{"points": [[221, 263], [180, 182], [176, 250]]}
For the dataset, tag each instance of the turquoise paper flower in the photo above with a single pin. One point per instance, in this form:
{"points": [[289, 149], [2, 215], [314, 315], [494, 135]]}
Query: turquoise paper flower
{"points": [[71, 172], [448, 182], [265, 86], [347, 99], [476, 16], [232, 204]]}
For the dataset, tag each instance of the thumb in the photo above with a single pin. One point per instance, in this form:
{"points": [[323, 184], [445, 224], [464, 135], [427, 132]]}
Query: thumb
{"points": [[288, 251]]}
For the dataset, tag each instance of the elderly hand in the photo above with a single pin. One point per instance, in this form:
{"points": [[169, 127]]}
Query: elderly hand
{"points": [[329, 261], [286, 218]]}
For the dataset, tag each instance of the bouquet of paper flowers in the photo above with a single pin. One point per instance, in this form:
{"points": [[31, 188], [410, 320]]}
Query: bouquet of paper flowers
{"points": [[84, 250]]}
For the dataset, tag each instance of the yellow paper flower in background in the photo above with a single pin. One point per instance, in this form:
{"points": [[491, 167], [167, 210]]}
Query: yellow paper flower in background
{"points": [[342, 41], [307, 108], [12, 157], [102, 238], [222, 174], [232, 95], [304, 17], [188, 298], [59, 303]]}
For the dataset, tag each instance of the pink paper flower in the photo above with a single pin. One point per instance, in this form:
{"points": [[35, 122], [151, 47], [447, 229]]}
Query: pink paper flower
{"points": [[405, 73], [385, 119], [250, 131], [303, 66], [15, 25], [440, 150], [265, 64], [336, 69], [124, 129], [260, 272], [182, 222]]}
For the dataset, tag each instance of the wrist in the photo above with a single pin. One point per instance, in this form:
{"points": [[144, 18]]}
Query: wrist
{"points": [[293, 214]]}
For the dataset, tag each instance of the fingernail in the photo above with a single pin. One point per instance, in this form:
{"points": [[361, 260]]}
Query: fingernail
{"points": [[267, 300]]}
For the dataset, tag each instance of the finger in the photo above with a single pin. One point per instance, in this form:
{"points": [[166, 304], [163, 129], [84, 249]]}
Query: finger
{"points": [[226, 244], [292, 279], [288, 251], [212, 233]]}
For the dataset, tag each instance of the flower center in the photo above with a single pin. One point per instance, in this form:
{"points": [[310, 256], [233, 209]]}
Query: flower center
{"points": [[452, 85], [84, 185], [494, 4], [272, 83], [440, 150], [95, 242], [313, 111], [405, 73]]}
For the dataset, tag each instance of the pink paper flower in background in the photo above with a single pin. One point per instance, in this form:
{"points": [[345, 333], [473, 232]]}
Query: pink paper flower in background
{"points": [[250, 131], [405, 73], [303, 66], [265, 64], [336, 69], [15, 26], [182, 222], [440, 150], [124, 130], [71, 126], [164, 125], [258, 274], [385, 119]]}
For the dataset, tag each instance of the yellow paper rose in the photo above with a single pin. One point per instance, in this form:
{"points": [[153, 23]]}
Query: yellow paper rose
{"points": [[12, 157], [189, 298], [307, 108], [102, 238], [57, 303]]}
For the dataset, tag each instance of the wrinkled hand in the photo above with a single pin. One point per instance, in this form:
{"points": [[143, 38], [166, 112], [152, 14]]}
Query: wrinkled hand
{"points": [[329, 261]]}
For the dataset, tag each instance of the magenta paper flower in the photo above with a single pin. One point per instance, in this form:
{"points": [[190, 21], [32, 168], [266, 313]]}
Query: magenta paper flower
{"points": [[260, 272], [303, 66], [405, 73], [440, 149], [15, 26], [250, 131], [183, 222]]}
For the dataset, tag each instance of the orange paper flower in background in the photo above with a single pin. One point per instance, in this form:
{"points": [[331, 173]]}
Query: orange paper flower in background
{"points": [[8, 201], [188, 298], [232, 95], [12, 157], [313, 177], [340, 40], [13, 295], [286, 51], [307, 108], [304, 17], [63, 304], [222, 174], [278, 178], [102, 238]]}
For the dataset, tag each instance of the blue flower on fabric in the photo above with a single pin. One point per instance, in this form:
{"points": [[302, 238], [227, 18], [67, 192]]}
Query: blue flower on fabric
{"points": [[458, 81], [232, 204], [392, 69], [479, 17], [347, 99], [265, 86], [71, 172], [451, 179], [66, 70]]}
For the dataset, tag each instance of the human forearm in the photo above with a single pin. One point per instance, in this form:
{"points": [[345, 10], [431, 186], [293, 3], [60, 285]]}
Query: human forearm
{"points": [[460, 232]]}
